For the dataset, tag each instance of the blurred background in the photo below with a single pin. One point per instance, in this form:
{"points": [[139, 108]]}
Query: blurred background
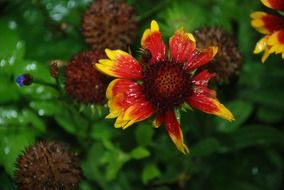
{"points": [[246, 154]]}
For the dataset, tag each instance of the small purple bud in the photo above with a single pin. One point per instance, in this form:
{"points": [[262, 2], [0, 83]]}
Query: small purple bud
{"points": [[24, 79]]}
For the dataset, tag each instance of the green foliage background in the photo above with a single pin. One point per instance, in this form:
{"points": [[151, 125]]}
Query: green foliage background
{"points": [[244, 155]]}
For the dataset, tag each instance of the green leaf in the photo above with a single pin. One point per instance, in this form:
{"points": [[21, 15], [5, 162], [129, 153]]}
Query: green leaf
{"points": [[47, 108], [139, 153], [9, 91], [114, 160], [182, 14], [28, 118], [38, 92], [252, 135], [243, 185], [241, 111], [40, 72], [269, 114], [13, 143], [10, 116], [90, 165], [10, 46], [144, 134], [269, 96], [84, 185], [103, 130], [150, 172], [6, 182], [205, 147], [66, 123]]}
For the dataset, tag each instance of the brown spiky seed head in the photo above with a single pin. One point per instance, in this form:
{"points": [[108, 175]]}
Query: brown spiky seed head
{"points": [[82, 80], [226, 63], [109, 24], [47, 166]]}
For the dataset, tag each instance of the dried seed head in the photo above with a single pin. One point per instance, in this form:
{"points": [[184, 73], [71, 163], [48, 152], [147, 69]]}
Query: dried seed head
{"points": [[47, 166], [55, 66], [226, 63], [109, 24], [83, 82]]}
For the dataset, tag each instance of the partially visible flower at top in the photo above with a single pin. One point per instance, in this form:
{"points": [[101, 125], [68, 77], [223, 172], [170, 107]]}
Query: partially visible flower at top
{"points": [[24, 80], [47, 166], [109, 24], [82, 81], [160, 83], [274, 4], [227, 61], [272, 27]]}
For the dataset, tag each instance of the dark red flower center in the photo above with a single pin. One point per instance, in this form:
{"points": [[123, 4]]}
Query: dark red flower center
{"points": [[166, 85]]}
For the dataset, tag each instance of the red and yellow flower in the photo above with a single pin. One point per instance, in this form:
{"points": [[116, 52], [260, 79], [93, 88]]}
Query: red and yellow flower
{"points": [[160, 82], [272, 27]]}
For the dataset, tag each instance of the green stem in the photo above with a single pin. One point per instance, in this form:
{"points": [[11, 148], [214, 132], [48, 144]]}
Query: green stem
{"points": [[35, 81]]}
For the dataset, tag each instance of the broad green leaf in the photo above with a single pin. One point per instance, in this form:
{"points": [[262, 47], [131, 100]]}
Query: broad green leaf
{"points": [[114, 160], [47, 108], [205, 147], [40, 72], [6, 182], [150, 172], [238, 185], [139, 153], [11, 48], [84, 185], [103, 130], [9, 92], [65, 122], [38, 92], [269, 114], [12, 117], [241, 111], [185, 14], [13, 143], [29, 118], [144, 134], [8, 116], [252, 135], [90, 165], [268, 97]]}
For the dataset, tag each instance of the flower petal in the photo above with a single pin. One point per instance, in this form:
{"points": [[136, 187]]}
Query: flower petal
{"points": [[139, 111], [121, 94], [276, 42], [266, 23], [158, 120], [181, 46], [262, 45], [127, 103], [175, 132], [120, 64], [274, 4], [200, 57], [205, 100], [152, 40]]}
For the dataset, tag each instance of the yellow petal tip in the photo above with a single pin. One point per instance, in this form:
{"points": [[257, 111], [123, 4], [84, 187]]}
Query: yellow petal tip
{"points": [[191, 37], [215, 50], [154, 26], [183, 148]]}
